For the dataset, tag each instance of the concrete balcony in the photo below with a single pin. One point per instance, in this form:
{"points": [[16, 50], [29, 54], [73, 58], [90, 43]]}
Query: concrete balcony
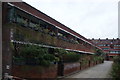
{"points": [[20, 33]]}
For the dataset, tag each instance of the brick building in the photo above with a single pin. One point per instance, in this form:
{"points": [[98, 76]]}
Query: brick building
{"points": [[109, 46], [22, 25]]}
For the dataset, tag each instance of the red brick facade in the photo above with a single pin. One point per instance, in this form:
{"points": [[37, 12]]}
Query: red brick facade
{"points": [[20, 34], [109, 46]]}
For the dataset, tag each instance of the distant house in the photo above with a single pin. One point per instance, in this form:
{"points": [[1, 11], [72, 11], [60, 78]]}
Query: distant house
{"points": [[110, 46]]}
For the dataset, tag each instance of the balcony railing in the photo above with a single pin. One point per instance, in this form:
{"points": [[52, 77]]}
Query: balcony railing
{"points": [[32, 31], [17, 17], [29, 35]]}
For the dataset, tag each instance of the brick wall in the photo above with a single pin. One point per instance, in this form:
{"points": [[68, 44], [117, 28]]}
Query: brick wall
{"points": [[26, 71], [71, 67]]}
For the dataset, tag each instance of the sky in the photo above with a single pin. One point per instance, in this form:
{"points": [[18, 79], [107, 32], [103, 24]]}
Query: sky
{"points": [[90, 18]]}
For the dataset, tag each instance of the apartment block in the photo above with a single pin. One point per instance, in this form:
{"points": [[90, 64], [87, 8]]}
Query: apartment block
{"points": [[110, 46], [23, 25]]}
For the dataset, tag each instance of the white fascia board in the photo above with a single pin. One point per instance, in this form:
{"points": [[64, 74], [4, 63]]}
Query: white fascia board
{"points": [[20, 42]]}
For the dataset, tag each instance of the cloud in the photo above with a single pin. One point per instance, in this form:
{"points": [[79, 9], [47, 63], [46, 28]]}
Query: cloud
{"points": [[90, 18]]}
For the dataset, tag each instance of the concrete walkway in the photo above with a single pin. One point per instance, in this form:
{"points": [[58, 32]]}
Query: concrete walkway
{"points": [[98, 71]]}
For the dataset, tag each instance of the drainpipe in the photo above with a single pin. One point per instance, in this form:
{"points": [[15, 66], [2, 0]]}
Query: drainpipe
{"points": [[0, 40]]}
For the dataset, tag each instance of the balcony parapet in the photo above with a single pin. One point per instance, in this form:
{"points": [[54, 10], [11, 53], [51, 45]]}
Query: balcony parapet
{"points": [[28, 35]]}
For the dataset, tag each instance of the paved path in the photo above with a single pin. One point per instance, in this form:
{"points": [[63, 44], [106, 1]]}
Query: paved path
{"points": [[98, 71]]}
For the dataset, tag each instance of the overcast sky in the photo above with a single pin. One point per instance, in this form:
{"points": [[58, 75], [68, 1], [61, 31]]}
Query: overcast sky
{"points": [[90, 18]]}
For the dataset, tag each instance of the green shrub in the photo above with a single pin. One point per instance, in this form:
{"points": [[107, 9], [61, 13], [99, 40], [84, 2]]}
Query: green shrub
{"points": [[117, 59], [18, 60], [71, 57], [115, 73], [115, 70], [46, 59], [35, 55], [99, 52], [67, 56], [97, 58], [84, 62], [61, 51]]}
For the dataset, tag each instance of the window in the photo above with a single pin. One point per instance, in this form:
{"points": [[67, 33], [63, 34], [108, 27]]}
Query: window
{"points": [[117, 45], [105, 48], [101, 45], [116, 48], [107, 45], [96, 42], [115, 52]]}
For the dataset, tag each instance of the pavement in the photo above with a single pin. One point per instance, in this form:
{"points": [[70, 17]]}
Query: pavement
{"points": [[98, 71]]}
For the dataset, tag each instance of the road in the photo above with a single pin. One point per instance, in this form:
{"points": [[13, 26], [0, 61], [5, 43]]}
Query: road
{"points": [[98, 71]]}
